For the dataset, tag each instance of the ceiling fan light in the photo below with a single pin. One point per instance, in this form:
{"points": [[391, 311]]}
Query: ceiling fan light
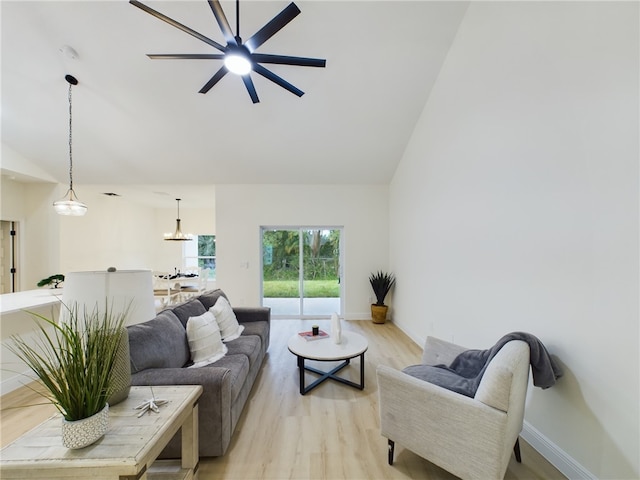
{"points": [[237, 63]]}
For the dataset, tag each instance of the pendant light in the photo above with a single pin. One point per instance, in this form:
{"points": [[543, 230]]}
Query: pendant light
{"points": [[69, 204], [178, 236]]}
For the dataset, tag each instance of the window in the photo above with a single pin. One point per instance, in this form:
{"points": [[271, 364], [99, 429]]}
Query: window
{"points": [[200, 253]]}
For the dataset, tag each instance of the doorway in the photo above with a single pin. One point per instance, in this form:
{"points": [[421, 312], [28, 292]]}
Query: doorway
{"points": [[8, 257], [302, 271]]}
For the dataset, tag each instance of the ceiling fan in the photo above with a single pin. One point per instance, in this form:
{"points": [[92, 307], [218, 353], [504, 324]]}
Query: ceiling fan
{"points": [[240, 57]]}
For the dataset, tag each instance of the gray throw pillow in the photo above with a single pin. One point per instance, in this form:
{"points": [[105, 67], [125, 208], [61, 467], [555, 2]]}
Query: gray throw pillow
{"points": [[192, 308], [158, 343], [209, 299]]}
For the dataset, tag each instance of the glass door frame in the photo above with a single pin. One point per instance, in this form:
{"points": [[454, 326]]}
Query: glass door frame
{"points": [[301, 229]]}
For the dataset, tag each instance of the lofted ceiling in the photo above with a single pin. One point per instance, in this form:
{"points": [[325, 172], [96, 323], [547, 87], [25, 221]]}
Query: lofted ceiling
{"points": [[138, 121]]}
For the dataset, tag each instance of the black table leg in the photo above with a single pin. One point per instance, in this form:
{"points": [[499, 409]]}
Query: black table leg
{"points": [[301, 371], [330, 374]]}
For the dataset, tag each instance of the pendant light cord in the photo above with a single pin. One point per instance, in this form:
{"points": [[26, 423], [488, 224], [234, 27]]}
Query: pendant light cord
{"points": [[70, 142], [69, 204]]}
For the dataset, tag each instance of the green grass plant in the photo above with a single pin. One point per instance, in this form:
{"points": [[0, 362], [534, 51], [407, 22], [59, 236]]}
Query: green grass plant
{"points": [[75, 359], [290, 289]]}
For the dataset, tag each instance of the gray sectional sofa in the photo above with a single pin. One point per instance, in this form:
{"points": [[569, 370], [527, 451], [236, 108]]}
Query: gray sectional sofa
{"points": [[160, 356]]}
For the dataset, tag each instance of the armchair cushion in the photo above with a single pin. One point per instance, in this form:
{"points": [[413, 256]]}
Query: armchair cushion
{"points": [[465, 373]]}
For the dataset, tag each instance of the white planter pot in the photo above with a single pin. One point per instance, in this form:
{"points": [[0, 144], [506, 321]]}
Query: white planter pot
{"points": [[82, 433]]}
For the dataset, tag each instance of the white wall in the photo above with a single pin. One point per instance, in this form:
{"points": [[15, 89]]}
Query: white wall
{"points": [[12, 194], [29, 204], [515, 207], [113, 233], [40, 234], [15, 163], [11, 210], [242, 209]]}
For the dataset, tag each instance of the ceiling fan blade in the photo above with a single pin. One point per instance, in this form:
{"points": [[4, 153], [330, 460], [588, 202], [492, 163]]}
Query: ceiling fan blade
{"points": [[178, 25], [272, 27], [250, 88], [285, 60], [213, 80], [277, 80], [221, 18], [187, 56]]}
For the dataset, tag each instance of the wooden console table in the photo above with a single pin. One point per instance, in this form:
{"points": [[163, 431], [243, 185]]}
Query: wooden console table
{"points": [[126, 452]]}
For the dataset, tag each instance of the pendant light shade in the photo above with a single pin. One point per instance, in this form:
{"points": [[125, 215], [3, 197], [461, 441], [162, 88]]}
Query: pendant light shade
{"points": [[69, 204], [178, 236]]}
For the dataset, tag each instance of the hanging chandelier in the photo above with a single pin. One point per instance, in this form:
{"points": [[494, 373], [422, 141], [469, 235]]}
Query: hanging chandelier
{"points": [[69, 204], [178, 236]]}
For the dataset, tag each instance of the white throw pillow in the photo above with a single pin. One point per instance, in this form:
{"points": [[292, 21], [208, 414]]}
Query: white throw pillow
{"points": [[204, 339], [227, 321]]}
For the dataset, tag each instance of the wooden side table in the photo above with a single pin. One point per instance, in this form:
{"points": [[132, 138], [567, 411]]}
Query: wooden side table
{"points": [[126, 452]]}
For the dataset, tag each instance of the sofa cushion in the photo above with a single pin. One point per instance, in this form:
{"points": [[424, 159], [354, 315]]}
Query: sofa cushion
{"points": [[192, 308], [209, 298], [261, 329], [230, 329], [248, 345], [238, 366], [205, 342], [158, 343]]}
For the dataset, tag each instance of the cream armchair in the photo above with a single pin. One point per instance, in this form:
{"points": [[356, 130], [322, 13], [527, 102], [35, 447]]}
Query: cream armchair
{"points": [[469, 437]]}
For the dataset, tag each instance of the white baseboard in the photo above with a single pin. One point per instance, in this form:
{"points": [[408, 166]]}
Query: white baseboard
{"points": [[357, 316], [417, 339], [554, 454], [17, 381]]}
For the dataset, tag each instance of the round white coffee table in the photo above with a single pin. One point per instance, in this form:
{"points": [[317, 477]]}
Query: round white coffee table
{"points": [[326, 350]]}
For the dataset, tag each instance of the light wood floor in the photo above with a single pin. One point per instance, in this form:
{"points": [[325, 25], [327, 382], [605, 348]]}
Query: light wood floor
{"points": [[330, 433]]}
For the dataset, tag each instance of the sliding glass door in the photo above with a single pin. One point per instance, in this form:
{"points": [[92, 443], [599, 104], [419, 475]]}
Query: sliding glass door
{"points": [[301, 271]]}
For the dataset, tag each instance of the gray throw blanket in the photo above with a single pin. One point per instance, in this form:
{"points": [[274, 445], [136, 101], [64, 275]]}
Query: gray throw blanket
{"points": [[465, 372]]}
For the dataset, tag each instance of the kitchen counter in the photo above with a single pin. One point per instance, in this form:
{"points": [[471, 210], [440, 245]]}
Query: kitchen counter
{"points": [[16, 320], [29, 299]]}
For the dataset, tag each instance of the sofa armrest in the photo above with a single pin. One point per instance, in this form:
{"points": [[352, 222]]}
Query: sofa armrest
{"points": [[252, 314], [215, 381], [505, 380], [256, 321], [214, 419], [209, 377], [417, 413], [438, 424]]}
